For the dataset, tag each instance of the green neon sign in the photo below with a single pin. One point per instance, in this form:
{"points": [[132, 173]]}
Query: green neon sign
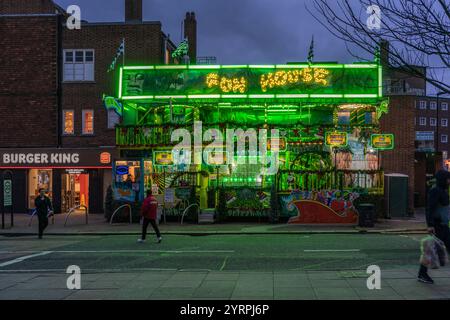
{"points": [[256, 82], [382, 141]]}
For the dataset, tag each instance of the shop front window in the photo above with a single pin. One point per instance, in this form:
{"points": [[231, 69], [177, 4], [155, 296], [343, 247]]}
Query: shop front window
{"points": [[38, 179], [127, 180]]}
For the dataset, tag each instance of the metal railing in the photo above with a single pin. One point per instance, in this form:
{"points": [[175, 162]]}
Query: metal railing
{"points": [[185, 210], [34, 213], [86, 212], [118, 209]]}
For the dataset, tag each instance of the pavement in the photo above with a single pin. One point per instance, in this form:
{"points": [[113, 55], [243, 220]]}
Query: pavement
{"points": [[221, 266], [98, 225]]}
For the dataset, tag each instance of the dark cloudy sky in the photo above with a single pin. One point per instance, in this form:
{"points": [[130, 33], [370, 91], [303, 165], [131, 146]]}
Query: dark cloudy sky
{"points": [[237, 31]]}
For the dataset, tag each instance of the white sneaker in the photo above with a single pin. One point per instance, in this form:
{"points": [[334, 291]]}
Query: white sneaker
{"points": [[159, 240], [140, 240]]}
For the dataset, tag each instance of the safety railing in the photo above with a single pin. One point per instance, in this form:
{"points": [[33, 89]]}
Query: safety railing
{"points": [[186, 210], [86, 212], [33, 213], [118, 209]]}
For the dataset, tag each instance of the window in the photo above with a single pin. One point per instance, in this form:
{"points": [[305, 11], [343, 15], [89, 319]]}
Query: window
{"points": [[113, 119], [444, 122], [68, 122], [423, 105], [78, 65], [444, 106], [344, 117], [423, 121], [433, 105], [88, 121], [433, 122], [444, 138]]}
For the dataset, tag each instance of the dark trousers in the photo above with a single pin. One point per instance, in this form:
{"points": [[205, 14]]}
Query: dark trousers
{"points": [[145, 226], [43, 223], [442, 232]]}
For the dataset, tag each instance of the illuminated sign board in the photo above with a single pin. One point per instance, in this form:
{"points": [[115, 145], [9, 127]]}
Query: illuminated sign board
{"points": [[163, 158], [382, 141], [336, 139], [223, 82]]}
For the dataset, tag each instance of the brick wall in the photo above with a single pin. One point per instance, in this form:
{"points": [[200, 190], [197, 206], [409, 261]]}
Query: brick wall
{"points": [[400, 122], [28, 85], [26, 6], [143, 46]]}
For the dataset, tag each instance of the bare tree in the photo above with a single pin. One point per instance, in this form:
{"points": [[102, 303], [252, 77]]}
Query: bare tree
{"points": [[418, 32]]}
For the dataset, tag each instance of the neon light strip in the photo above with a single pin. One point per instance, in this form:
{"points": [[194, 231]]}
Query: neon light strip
{"points": [[328, 66], [232, 96], [291, 66], [380, 81], [139, 68], [282, 111], [326, 95], [203, 66], [171, 97], [360, 66], [260, 66], [230, 66], [360, 95], [120, 82], [261, 96], [204, 96], [171, 67], [137, 97], [292, 96]]}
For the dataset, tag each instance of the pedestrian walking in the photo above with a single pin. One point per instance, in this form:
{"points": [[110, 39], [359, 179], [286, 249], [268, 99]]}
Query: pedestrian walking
{"points": [[149, 214], [437, 216], [44, 210]]}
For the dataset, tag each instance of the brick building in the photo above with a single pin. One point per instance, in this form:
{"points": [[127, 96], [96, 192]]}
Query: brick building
{"points": [[56, 132]]}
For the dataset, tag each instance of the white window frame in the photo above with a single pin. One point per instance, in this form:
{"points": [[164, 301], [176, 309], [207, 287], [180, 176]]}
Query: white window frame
{"points": [[83, 113], [73, 64], [63, 120], [444, 138], [446, 106], [422, 121], [444, 120], [433, 122], [422, 105], [433, 105]]}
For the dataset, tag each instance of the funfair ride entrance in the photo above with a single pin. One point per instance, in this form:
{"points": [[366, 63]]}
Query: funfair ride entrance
{"points": [[320, 121]]}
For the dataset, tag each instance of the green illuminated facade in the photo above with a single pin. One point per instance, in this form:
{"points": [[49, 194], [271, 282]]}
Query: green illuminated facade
{"points": [[305, 102]]}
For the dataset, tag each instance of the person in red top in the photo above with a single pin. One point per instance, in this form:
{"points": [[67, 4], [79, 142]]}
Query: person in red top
{"points": [[149, 212]]}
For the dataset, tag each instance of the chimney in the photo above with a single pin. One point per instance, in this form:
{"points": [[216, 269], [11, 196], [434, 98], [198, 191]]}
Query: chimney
{"points": [[190, 32], [384, 53], [133, 10]]}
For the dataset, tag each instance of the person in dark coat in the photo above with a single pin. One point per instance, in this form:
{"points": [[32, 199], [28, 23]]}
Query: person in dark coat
{"points": [[149, 212], [44, 210], [437, 216]]}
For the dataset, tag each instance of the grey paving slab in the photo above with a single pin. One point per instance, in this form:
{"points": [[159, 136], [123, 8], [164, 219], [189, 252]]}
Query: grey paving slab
{"points": [[335, 294], [316, 283], [133, 294], [34, 294], [173, 293], [222, 276], [290, 293], [84, 294]]}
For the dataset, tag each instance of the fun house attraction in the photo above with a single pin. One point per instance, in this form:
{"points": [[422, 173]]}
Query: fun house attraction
{"points": [[329, 140]]}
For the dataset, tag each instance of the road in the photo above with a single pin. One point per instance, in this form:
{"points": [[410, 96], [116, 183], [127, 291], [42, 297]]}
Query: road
{"points": [[111, 264]]}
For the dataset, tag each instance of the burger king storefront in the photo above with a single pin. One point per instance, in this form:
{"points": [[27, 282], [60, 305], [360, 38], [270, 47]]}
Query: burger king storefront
{"points": [[72, 177]]}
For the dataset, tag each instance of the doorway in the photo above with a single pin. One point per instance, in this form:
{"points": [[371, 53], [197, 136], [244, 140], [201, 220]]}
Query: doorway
{"points": [[74, 190]]}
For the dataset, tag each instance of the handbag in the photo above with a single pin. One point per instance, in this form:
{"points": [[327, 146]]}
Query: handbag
{"points": [[429, 256], [441, 251]]}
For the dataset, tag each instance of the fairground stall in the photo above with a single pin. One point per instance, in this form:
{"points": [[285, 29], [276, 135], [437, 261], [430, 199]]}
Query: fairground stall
{"points": [[320, 122]]}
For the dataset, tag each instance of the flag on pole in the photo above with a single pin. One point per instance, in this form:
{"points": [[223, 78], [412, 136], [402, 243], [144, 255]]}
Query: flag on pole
{"points": [[311, 51], [120, 52], [181, 50]]}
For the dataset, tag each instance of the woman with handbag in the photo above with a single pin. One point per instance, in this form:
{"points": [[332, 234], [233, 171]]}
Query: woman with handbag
{"points": [[437, 216]]}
